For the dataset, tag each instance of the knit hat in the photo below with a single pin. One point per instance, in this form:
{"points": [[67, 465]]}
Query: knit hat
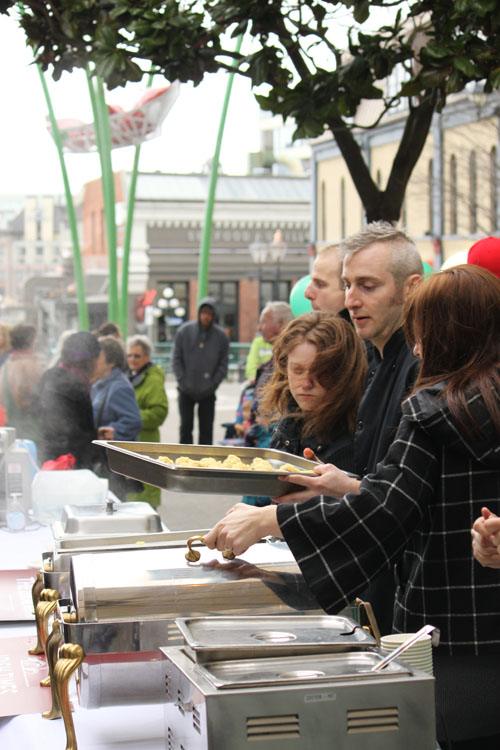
{"points": [[486, 253], [79, 347]]}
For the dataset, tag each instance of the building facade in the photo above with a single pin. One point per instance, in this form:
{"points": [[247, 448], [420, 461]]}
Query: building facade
{"points": [[260, 246], [452, 198]]}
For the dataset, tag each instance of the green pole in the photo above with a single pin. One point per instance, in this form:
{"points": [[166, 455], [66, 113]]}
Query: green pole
{"points": [[128, 235], [83, 318], [103, 141], [209, 210]]}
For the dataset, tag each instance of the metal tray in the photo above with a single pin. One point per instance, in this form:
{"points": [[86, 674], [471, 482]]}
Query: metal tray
{"points": [[293, 670], [223, 638], [139, 461], [97, 520]]}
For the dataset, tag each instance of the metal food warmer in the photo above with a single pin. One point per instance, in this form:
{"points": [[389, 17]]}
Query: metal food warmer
{"points": [[124, 604], [100, 529], [266, 682]]}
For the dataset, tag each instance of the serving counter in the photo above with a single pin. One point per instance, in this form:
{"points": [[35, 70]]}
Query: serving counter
{"points": [[130, 727]]}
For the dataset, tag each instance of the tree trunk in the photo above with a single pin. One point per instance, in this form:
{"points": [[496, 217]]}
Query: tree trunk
{"points": [[386, 205]]}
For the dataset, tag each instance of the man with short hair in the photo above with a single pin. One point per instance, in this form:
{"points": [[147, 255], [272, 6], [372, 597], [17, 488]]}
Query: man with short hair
{"points": [[381, 266], [326, 289], [200, 357]]}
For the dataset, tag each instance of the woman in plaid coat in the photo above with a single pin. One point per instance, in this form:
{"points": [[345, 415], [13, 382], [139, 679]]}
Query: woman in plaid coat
{"points": [[416, 510]]}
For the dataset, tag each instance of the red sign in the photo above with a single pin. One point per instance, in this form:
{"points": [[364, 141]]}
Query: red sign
{"points": [[20, 675], [16, 604]]}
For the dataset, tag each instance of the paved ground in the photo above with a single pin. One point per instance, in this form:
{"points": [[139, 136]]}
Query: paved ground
{"points": [[183, 510]]}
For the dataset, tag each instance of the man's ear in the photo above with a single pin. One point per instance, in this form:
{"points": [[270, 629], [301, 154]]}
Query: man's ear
{"points": [[411, 283]]}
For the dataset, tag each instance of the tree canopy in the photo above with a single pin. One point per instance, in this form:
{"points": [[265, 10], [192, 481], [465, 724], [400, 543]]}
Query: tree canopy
{"points": [[298, 63]]}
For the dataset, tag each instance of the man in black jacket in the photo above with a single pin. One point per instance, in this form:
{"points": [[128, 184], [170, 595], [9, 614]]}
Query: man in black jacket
{"points": [[200, 358], [381, 266]]}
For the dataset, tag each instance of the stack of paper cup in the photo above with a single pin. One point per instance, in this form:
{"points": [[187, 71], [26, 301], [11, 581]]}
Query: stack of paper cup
{"points": [[418, 655]]}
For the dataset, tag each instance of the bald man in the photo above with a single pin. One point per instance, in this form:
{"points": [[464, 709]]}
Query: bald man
{"points": [[326, 289]]}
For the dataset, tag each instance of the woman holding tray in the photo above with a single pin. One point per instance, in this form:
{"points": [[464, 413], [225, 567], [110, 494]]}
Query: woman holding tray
{"points": [[416, 510], [314, 390]]}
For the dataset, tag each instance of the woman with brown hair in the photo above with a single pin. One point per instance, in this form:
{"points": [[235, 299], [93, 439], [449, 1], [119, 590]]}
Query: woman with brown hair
{"points": [[315, 388], [416, 510]]}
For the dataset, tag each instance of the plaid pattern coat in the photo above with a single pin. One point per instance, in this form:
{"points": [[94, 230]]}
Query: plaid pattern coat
{"points": [[415, 511]]}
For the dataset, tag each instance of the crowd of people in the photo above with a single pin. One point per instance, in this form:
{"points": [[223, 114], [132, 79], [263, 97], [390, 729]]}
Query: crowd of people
{"points": [[391, 385], [86, 393], [425, 462]]}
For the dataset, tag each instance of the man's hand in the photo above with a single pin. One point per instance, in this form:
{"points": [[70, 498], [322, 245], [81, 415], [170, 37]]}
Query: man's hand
{"points": [[242, 526], [105, 432], [486, 539], [329, 480]]}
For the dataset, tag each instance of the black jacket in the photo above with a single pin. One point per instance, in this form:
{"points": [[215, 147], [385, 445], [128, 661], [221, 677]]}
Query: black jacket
{"points": [[200, 358], [338, 450], [66, 423]]}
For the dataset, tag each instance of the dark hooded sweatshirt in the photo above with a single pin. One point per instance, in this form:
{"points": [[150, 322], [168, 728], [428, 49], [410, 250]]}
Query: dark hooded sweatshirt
{"points": [[200, 358]]}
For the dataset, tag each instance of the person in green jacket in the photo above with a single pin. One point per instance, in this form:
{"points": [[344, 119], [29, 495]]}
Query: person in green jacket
{"points": [[149, 386], [259, 353]]}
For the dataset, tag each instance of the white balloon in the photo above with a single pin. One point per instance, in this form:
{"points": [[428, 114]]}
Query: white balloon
{"points": [[457, 259]]}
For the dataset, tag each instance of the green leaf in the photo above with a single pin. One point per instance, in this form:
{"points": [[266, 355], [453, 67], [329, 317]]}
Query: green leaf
{"points": [[411, 88], [494, 78], [361, 11], [435, 50], [482, 7], [454, 83], [466, 67]]}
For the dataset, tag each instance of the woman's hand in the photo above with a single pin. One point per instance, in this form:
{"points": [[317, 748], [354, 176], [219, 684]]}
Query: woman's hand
{"points": [[242, 526], [486, 539], [329, 480]]}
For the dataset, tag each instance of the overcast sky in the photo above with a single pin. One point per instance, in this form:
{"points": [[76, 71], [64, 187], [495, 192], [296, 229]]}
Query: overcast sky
{"points": [[28, 157]]}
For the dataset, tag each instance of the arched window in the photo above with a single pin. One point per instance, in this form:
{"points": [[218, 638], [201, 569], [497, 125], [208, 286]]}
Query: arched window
{"points": [[472, 193], [493, 189], [453, 195]]}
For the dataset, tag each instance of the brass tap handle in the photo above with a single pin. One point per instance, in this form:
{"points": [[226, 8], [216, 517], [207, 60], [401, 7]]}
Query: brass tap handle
{"points": [[372, 620], [43, 610], [36, 589], [52, 646], [70, 657], [192, 555]]}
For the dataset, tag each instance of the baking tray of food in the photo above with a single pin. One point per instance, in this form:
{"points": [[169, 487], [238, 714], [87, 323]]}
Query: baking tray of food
{"points": [[141, 461]]}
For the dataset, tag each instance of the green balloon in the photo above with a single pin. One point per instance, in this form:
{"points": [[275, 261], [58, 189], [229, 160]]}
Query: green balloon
{"points": [[298, 302], [428, 270]]}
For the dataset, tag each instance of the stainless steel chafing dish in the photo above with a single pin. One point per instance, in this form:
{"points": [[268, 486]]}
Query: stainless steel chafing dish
{"points": [[123, 607], [140, 461], [289, 697]]}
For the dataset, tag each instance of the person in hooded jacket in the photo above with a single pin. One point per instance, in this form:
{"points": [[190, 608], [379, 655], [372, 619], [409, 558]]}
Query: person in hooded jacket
{"points": [[417, 508], [199, 358]]}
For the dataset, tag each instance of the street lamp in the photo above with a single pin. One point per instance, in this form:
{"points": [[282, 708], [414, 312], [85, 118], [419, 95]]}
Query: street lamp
{"points": [[278, 250], [168, 292]]}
